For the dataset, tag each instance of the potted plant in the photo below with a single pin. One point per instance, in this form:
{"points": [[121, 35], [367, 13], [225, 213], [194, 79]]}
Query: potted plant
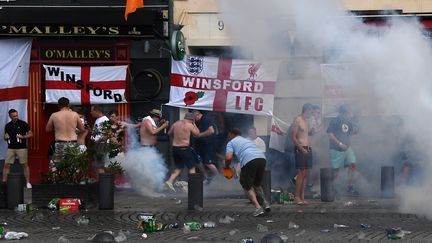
{"points": [[73, 176]]}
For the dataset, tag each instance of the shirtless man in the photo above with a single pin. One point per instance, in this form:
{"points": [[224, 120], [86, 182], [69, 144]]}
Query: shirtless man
{"points": [[302, 151], [149, 128], [115, 121], [182, 152], [64, 123]]}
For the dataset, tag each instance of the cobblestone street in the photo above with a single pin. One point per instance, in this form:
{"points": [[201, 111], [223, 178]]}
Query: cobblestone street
{"points": [[48, 226]]}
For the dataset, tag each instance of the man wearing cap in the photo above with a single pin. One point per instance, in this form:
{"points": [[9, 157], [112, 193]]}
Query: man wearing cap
{"points": [[149, 128], [182, 152], [340, 129]]}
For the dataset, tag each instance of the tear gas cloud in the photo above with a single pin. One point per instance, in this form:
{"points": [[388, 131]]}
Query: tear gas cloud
{"points": [[388, 83], [145, 167]]}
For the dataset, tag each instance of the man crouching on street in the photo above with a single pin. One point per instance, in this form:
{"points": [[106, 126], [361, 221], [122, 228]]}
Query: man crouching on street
{"points": [[252, 163]]}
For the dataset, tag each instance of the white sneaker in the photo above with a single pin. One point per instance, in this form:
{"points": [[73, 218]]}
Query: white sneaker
{"points": [[169, 186], [29, 186]]}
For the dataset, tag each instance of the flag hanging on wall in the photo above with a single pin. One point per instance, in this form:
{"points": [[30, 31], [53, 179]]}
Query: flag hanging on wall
{"points": [[132, 6], [278, 134], [226, 85], [85, 85], [14, 76]]}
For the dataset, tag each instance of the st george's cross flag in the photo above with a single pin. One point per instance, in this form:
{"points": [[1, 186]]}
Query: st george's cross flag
{"points": [[85, 85], [14, 77], [225, 85]]}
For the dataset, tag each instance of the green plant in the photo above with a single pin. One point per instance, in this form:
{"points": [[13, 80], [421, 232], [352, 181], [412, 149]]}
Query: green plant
{"points": [[74, 168]]}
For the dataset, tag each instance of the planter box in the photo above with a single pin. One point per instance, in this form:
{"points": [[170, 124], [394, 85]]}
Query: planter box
{"points": [[43, 193]]}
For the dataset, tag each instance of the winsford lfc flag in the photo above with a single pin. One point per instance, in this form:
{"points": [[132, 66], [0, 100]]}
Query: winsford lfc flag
{"points": [[227, 85], [85, 85], [14, 76]]}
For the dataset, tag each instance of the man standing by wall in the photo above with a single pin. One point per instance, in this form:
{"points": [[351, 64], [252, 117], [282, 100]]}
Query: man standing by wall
{"points": [[64, 123], [253, 163], [340, 130], [205, 145], [302, 150], [16, 134], [149, 128]]}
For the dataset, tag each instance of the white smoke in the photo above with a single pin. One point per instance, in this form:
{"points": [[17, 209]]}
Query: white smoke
{"points": [[390, 73], [145, 168]]}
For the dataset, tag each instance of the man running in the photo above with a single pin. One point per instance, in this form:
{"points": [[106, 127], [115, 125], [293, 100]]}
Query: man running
{"points": [[182, 152]]}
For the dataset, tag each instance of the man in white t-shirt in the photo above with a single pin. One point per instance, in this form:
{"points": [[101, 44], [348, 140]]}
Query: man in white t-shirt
{"points": [[99, 158]]}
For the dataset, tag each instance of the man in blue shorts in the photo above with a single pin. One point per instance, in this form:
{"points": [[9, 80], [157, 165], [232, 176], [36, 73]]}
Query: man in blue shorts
{"points": [[182, 152], [340, 130], [252, 163]]}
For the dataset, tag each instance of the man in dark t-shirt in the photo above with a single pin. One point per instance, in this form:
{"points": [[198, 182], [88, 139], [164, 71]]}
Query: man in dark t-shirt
{"points": [[16, 134], [340, 130], [205, 144]]}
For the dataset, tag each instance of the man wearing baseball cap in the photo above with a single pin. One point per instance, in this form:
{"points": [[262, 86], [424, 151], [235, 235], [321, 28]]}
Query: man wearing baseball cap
{"points": [[150, 127]]}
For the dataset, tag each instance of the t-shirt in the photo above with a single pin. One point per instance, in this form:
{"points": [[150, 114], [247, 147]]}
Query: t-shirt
{"points": [[97, 126], [342, 128], [259, 143], [203, 125], [14, 128], [244, 149]]}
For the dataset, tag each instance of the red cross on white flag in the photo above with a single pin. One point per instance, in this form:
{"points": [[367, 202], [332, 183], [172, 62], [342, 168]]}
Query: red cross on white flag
{"points": [[85, 85], [228, 85]]}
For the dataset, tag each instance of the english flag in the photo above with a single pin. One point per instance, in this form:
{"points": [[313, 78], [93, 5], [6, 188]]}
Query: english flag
{"points": [[278, 134], [226, 85], [85, 85], [14, 75], [132, 6]]}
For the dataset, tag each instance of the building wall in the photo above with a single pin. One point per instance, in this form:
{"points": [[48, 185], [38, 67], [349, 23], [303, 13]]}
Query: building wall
{"points": [[407, 6]]}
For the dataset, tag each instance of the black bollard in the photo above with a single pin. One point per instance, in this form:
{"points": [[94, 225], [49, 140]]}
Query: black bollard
{"points": [[195, 191], [327, 187], [387, 181], [106, 191], [14, 190], [266, 185]]}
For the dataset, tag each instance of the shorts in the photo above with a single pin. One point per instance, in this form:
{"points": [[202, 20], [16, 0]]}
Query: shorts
{"points": [[339, 159], [303, 161], [60, 149], [183, 156], [252, 173], [12, 153], [207, 153]]}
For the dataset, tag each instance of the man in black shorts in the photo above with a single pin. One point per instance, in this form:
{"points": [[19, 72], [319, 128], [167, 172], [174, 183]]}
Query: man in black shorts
{"points": [[182, 152], [253, 163], [302, 151]]}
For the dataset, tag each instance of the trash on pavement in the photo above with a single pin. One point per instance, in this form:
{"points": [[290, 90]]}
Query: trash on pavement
{"points": [[178, 202], [193, 238], [192, 226], [396, 233], [247, 240], [300, 233], [233, 232], [120, 237], [145, 216], [55, 228], [284, 237], [262, 228], [83, 220], [63, 239], [12, 235], [53, 204], [292, 225], [209, 224], [226, 220], [338, 226], [144, 236], [173, 226], [270, 221], [365, 226], [348, 204]]}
